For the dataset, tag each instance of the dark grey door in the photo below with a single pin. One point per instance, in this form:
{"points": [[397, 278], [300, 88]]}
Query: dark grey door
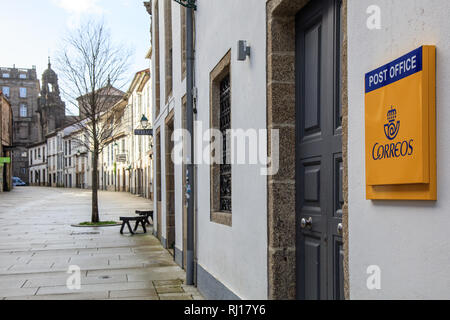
{"points": [[319, 152]]}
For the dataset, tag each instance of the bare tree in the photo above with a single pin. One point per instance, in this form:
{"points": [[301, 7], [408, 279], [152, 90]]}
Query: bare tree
{"points": [[91, 65]]}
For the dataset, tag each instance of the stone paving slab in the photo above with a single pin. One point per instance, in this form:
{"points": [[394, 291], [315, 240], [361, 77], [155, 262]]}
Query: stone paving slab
{"points": [[137, 298], [96, 287], [17, 292], [12, 283], [133, 293], [69, 296], [38, 244]]}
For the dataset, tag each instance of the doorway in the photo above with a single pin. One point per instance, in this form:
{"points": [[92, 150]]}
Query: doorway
{"points": [[170, 184], [319, 165]]}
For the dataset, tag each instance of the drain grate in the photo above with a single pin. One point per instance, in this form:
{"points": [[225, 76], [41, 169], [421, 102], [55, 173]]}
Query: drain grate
{"points": [[105, 277], [83, 233]]}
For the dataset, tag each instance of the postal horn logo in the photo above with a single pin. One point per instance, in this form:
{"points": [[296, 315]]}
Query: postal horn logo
{"points": [[392, 128], [392, 149]]}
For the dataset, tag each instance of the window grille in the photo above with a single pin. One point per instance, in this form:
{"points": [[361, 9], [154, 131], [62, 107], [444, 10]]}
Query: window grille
{"points": [[225, 125]]}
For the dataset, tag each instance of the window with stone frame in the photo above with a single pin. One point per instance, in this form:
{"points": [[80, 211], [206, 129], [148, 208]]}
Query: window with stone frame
{"points": [[220, 119]]}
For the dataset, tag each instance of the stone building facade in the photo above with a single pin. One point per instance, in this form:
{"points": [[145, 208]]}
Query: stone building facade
{"points": [[6, 139], [126, 159], [51, 109], [37, 110], [21, 86]]}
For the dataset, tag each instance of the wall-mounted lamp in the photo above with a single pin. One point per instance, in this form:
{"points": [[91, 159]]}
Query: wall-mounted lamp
{"points": [[243, 50], [144, 122]]}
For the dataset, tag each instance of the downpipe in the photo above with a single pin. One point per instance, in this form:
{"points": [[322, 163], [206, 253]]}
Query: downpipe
{"points": [[190, 178]]}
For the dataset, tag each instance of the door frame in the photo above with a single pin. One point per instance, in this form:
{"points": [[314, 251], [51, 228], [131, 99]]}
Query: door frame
{"points": [[169, 193], [281, 261]]}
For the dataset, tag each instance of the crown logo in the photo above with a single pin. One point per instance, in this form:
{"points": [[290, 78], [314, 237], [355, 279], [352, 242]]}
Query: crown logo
{"points": [[391, 129], [392, 114]]}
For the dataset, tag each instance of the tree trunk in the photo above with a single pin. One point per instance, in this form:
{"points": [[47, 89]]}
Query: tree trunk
{"points": [[95, 215]]}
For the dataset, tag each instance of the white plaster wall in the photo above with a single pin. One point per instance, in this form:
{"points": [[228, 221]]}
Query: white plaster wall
{"points": [[409, 241], [159, 119], [236, 256], [174, 103], [179, 90]]}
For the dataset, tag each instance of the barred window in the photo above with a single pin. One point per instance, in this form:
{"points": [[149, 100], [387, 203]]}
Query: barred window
{"points": [[220, 120], [225, 125]]}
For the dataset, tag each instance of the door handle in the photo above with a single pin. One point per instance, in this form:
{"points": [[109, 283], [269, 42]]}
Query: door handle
{"points": [[306, 223], [340, 228]]}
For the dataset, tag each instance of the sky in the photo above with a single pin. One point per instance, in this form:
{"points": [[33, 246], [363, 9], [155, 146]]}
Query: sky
{"points": [[32, 30]]}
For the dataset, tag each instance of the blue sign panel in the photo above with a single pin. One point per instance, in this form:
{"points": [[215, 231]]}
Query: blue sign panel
{"points": [[401, 68]]}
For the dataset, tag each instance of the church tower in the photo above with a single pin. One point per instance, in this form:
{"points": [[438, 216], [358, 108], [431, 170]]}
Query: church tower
{"points": [[52, 109]]}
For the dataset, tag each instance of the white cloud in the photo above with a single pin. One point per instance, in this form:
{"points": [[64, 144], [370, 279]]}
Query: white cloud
{"points": [[77, 8]]}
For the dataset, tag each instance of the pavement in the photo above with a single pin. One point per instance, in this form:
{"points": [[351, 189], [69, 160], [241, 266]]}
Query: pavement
{"points": [[38, 245]]}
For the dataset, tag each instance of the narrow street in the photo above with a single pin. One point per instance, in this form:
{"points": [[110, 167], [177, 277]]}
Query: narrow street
{"points": [[38, 244]]}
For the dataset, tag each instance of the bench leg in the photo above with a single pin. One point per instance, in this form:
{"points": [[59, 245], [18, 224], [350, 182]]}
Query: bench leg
{"points": [[136, 225], [129, 227], [147, 221], [143, 226], [121, 229]]}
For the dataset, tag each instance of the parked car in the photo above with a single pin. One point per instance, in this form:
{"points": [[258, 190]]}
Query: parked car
{"points": [[17, 182]]}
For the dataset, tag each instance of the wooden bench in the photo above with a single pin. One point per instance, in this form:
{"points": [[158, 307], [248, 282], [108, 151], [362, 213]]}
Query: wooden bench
{"points": [[147, 214], [139, 220]]}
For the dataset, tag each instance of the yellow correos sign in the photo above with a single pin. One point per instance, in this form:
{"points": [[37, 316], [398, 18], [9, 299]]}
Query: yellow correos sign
{"points": [[401, 128]]}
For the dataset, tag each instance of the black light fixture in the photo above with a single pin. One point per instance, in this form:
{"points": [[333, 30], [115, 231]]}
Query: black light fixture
{"points": [[243, 50], [144, 122], [187, 3]]}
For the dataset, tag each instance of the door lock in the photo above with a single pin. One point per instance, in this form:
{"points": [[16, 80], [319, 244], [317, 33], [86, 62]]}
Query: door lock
{"points": [[306, 223]]}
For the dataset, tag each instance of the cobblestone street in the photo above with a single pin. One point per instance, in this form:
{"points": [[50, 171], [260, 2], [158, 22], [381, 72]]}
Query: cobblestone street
{"points": [[38, 244]]}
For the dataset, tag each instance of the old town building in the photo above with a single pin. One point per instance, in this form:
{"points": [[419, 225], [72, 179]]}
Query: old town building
{"points": [[139, 104], [54, 158], [51, 109], [37, 157], [106, 98], [21, 86], [306, 229], [126, 157], [78, 167], [37, 110], [113, 160], [6, 143]]}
